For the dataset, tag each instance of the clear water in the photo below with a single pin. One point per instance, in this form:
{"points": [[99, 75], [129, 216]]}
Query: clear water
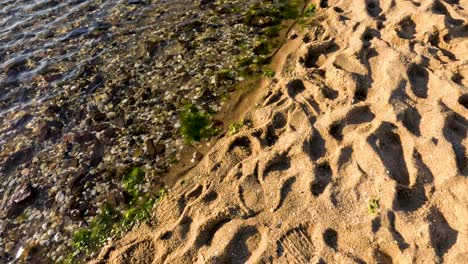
{"points": [[48, 42]]}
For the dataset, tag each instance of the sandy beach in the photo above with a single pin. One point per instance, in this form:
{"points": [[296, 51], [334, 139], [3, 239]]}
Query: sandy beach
{"points": [[355, 152]]}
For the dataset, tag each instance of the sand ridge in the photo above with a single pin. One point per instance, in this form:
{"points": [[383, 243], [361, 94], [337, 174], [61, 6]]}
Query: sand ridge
{"points": [[370, 103]]}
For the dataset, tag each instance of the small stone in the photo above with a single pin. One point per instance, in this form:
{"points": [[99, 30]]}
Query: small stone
{"points": [[160, 148], [59, 197], [14, 160], [135, 2], [97, 153], [111, 115], [278, 225], [75, 214], [48, 130], [98, 116], [20, 199], [149, 147], [197, 156]]}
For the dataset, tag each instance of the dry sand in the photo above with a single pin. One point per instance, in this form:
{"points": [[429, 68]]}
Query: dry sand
{"points": [[371, 103]]}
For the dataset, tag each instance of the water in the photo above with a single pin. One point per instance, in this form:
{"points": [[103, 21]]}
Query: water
{"points": [[45, 43]]}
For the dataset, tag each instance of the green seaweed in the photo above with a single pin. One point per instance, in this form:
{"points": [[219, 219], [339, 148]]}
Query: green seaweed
{"points": [[272, 31], [234, 128], [263, 48], [373, 206], [96, 234], [245, 61], [310, 10], [114, 222], [308, 17], [267, 72], [131, 181], [196, 125]]}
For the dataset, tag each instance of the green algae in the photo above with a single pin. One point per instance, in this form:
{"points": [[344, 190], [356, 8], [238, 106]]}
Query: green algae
{"points": [[267, 72], [196, 124], [235, 127], [373, 206], [115, 222]]}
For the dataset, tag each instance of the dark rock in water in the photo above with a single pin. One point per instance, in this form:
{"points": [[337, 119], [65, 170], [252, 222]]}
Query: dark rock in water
{"points": [[135, 2], [188, 25], [15, 65], [97, 153], [159, 149], [49, 129], [101, 26], [78, 182], [98, 116], [80, 137], [110, 132], [100, 127], [153, 48], [97, 82], [46, 34], [52, 109], [207, 4], [20, 199], [149, 147], [166, 135], [22, 122], [75, 33], [52, 77], [14, 160]]}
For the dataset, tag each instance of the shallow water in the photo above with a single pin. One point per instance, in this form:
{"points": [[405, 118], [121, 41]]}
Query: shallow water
{"points": [[51, 39]]}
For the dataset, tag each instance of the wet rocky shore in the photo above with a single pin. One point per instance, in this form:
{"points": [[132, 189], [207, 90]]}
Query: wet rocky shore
{"points": [[84, 103]]}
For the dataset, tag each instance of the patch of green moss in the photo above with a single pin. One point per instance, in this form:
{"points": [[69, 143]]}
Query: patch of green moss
{"points": [[173, 160], [234, 128], [272, 31], [310, 10], [136, 215], [373, 206], [196, 124], [113, 221], [96, 234], [290, 8], [262, 48], [131, 181], [309, 16], [267, 72], [245, 61]]}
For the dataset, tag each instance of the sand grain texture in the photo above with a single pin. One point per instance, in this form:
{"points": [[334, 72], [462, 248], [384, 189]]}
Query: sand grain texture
{"points": [[369, 103]]}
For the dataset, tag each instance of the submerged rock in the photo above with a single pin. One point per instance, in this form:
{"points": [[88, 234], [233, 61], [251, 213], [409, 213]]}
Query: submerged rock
{"points": [[15, 65], [14, 160], [21, 198]]}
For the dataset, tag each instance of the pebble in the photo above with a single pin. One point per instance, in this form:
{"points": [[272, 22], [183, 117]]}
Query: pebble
{"points": [[60, 197]]}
